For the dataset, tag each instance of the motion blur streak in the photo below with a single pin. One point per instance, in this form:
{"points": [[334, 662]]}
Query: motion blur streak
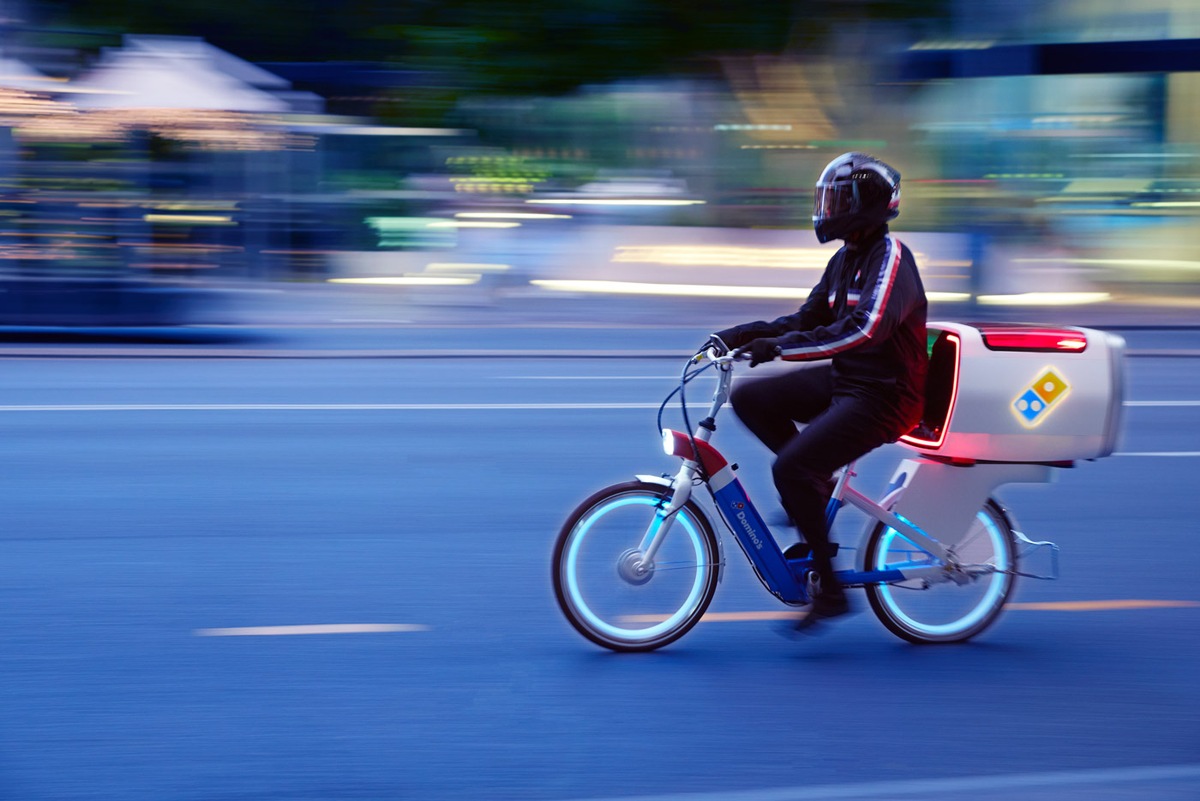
{"points": [[692, 290], [327, 628], [943, 787]]}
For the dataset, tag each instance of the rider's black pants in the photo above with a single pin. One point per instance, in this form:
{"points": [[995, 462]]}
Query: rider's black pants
{"points": [[841, 424]]}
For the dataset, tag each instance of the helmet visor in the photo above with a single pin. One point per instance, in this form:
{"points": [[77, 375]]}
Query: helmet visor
{"points": [[834, 200]]}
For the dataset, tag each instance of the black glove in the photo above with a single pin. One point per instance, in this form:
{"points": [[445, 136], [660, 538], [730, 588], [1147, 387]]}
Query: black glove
{"points": [[741, 335], [762, 350]]}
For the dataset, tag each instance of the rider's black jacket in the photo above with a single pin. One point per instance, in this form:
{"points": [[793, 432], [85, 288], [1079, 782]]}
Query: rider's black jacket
{"points": [[867, 314]]}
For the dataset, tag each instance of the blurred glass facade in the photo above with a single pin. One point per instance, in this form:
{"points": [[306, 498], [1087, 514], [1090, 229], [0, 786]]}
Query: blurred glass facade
{"points": [[1049, 150]]}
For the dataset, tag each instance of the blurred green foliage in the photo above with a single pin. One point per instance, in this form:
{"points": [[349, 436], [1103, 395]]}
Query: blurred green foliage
{"points": [[498, 46]]}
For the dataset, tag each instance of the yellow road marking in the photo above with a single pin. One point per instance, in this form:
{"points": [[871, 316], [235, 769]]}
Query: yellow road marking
{"points": [[1043, 606], [738, 617], [719, 617], [331, 628], [1099, 606]]}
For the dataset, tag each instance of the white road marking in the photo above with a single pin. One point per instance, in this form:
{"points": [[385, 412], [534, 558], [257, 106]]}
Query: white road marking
{"points": [[319, 407], [1163, 403], [328, 628], [355, 407], [954, 787], [405, 407]]}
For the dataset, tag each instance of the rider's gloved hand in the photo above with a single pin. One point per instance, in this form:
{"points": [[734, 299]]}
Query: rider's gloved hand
{"points": [[762, 350], [741, 335]]}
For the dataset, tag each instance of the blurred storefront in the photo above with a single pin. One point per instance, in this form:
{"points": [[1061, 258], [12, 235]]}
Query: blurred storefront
{"points": [[135, 191], [1069, 133], [1046, 148]]}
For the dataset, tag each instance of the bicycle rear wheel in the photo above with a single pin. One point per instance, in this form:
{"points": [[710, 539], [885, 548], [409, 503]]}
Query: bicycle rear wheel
{"points": [[601, 585], [947, 611]]}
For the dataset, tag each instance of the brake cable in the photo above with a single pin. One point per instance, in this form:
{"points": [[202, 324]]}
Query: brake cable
{"points": [[685, 378]]}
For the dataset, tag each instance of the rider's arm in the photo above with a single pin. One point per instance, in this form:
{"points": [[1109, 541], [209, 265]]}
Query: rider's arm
{"points": [[889, 294]]}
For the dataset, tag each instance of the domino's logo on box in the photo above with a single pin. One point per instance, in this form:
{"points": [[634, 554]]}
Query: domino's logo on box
{"points": [[1043, 395]]}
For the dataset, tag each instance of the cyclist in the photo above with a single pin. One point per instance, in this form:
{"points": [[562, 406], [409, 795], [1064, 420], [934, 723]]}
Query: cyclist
{"points": [[864, 323]]}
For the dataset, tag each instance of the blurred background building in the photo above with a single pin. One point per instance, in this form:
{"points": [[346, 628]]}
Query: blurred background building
{"points": [[151, 160]]}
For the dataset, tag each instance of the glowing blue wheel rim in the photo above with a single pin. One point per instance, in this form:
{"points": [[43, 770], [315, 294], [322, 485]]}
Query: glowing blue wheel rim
{"points": [[982, 608], [665, 626]]}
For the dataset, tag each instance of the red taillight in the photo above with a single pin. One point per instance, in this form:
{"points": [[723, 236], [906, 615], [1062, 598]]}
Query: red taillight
{"points": [[1032, 338]]}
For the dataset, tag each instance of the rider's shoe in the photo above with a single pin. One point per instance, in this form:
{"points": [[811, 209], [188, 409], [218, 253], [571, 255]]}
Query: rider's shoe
{"points": [[824, 607]]}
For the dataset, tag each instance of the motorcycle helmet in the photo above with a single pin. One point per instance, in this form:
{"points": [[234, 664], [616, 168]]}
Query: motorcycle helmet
{"points": [[855, 192]]}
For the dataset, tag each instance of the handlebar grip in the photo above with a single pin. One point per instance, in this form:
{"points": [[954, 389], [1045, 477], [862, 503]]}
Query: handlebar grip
{"points": [[717, 356], [712, 354]]}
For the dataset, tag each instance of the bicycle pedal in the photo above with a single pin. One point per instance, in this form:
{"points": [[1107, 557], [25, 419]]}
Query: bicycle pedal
{"points": [[802, 550]]}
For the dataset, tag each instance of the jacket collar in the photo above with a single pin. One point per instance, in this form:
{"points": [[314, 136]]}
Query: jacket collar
{"points": [[868, 241]]}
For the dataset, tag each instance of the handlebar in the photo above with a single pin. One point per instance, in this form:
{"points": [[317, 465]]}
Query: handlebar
{"points": [[720, 359], [723, 361]]}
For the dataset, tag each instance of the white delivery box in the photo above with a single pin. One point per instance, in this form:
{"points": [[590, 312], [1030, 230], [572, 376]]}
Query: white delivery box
{"points": [[1003, 392]]}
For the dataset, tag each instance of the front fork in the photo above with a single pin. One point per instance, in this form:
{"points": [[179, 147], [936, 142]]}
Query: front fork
{"points": [[682, 484], [656, 532]]}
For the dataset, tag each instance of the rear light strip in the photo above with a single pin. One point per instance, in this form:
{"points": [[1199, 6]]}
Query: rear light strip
{"points": [[1031, 338]]}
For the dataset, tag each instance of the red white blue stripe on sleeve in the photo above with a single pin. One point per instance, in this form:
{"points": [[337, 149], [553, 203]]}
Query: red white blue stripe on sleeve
{"points": [[873, 302]]}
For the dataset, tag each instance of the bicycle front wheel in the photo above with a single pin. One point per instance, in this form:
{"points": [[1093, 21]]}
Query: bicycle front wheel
{"points": [[947, 611], [609, 593]]}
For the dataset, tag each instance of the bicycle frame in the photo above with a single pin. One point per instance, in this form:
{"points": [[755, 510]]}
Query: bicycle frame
{"points": [[788, 579]]}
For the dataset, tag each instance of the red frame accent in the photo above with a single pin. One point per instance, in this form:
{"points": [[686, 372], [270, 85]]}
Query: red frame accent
{"points": [[710, 459], [945, 429], [1032, 338]]}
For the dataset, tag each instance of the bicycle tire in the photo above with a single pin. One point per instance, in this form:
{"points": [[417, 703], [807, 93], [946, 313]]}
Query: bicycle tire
{"points": [[945, 612], [645, 612]]}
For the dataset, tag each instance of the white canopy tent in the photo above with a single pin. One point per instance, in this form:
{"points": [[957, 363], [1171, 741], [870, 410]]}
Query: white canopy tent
{"points": [[194, 47], [139, 80], [170, 72]]}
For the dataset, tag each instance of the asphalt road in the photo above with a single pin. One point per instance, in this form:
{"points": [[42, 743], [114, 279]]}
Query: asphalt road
{"points": [[329, 579]]}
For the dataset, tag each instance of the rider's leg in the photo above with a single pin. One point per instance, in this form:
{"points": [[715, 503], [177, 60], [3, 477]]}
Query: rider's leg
{"points": [[838, 432], [848, 429], [771, 406]]}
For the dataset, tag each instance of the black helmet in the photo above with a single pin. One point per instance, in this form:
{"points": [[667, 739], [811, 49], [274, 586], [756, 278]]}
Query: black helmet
{"points": [[855, 192]]}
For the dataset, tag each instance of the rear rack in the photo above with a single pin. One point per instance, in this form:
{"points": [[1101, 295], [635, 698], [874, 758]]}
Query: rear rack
{"points": [[1029, 548]]}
